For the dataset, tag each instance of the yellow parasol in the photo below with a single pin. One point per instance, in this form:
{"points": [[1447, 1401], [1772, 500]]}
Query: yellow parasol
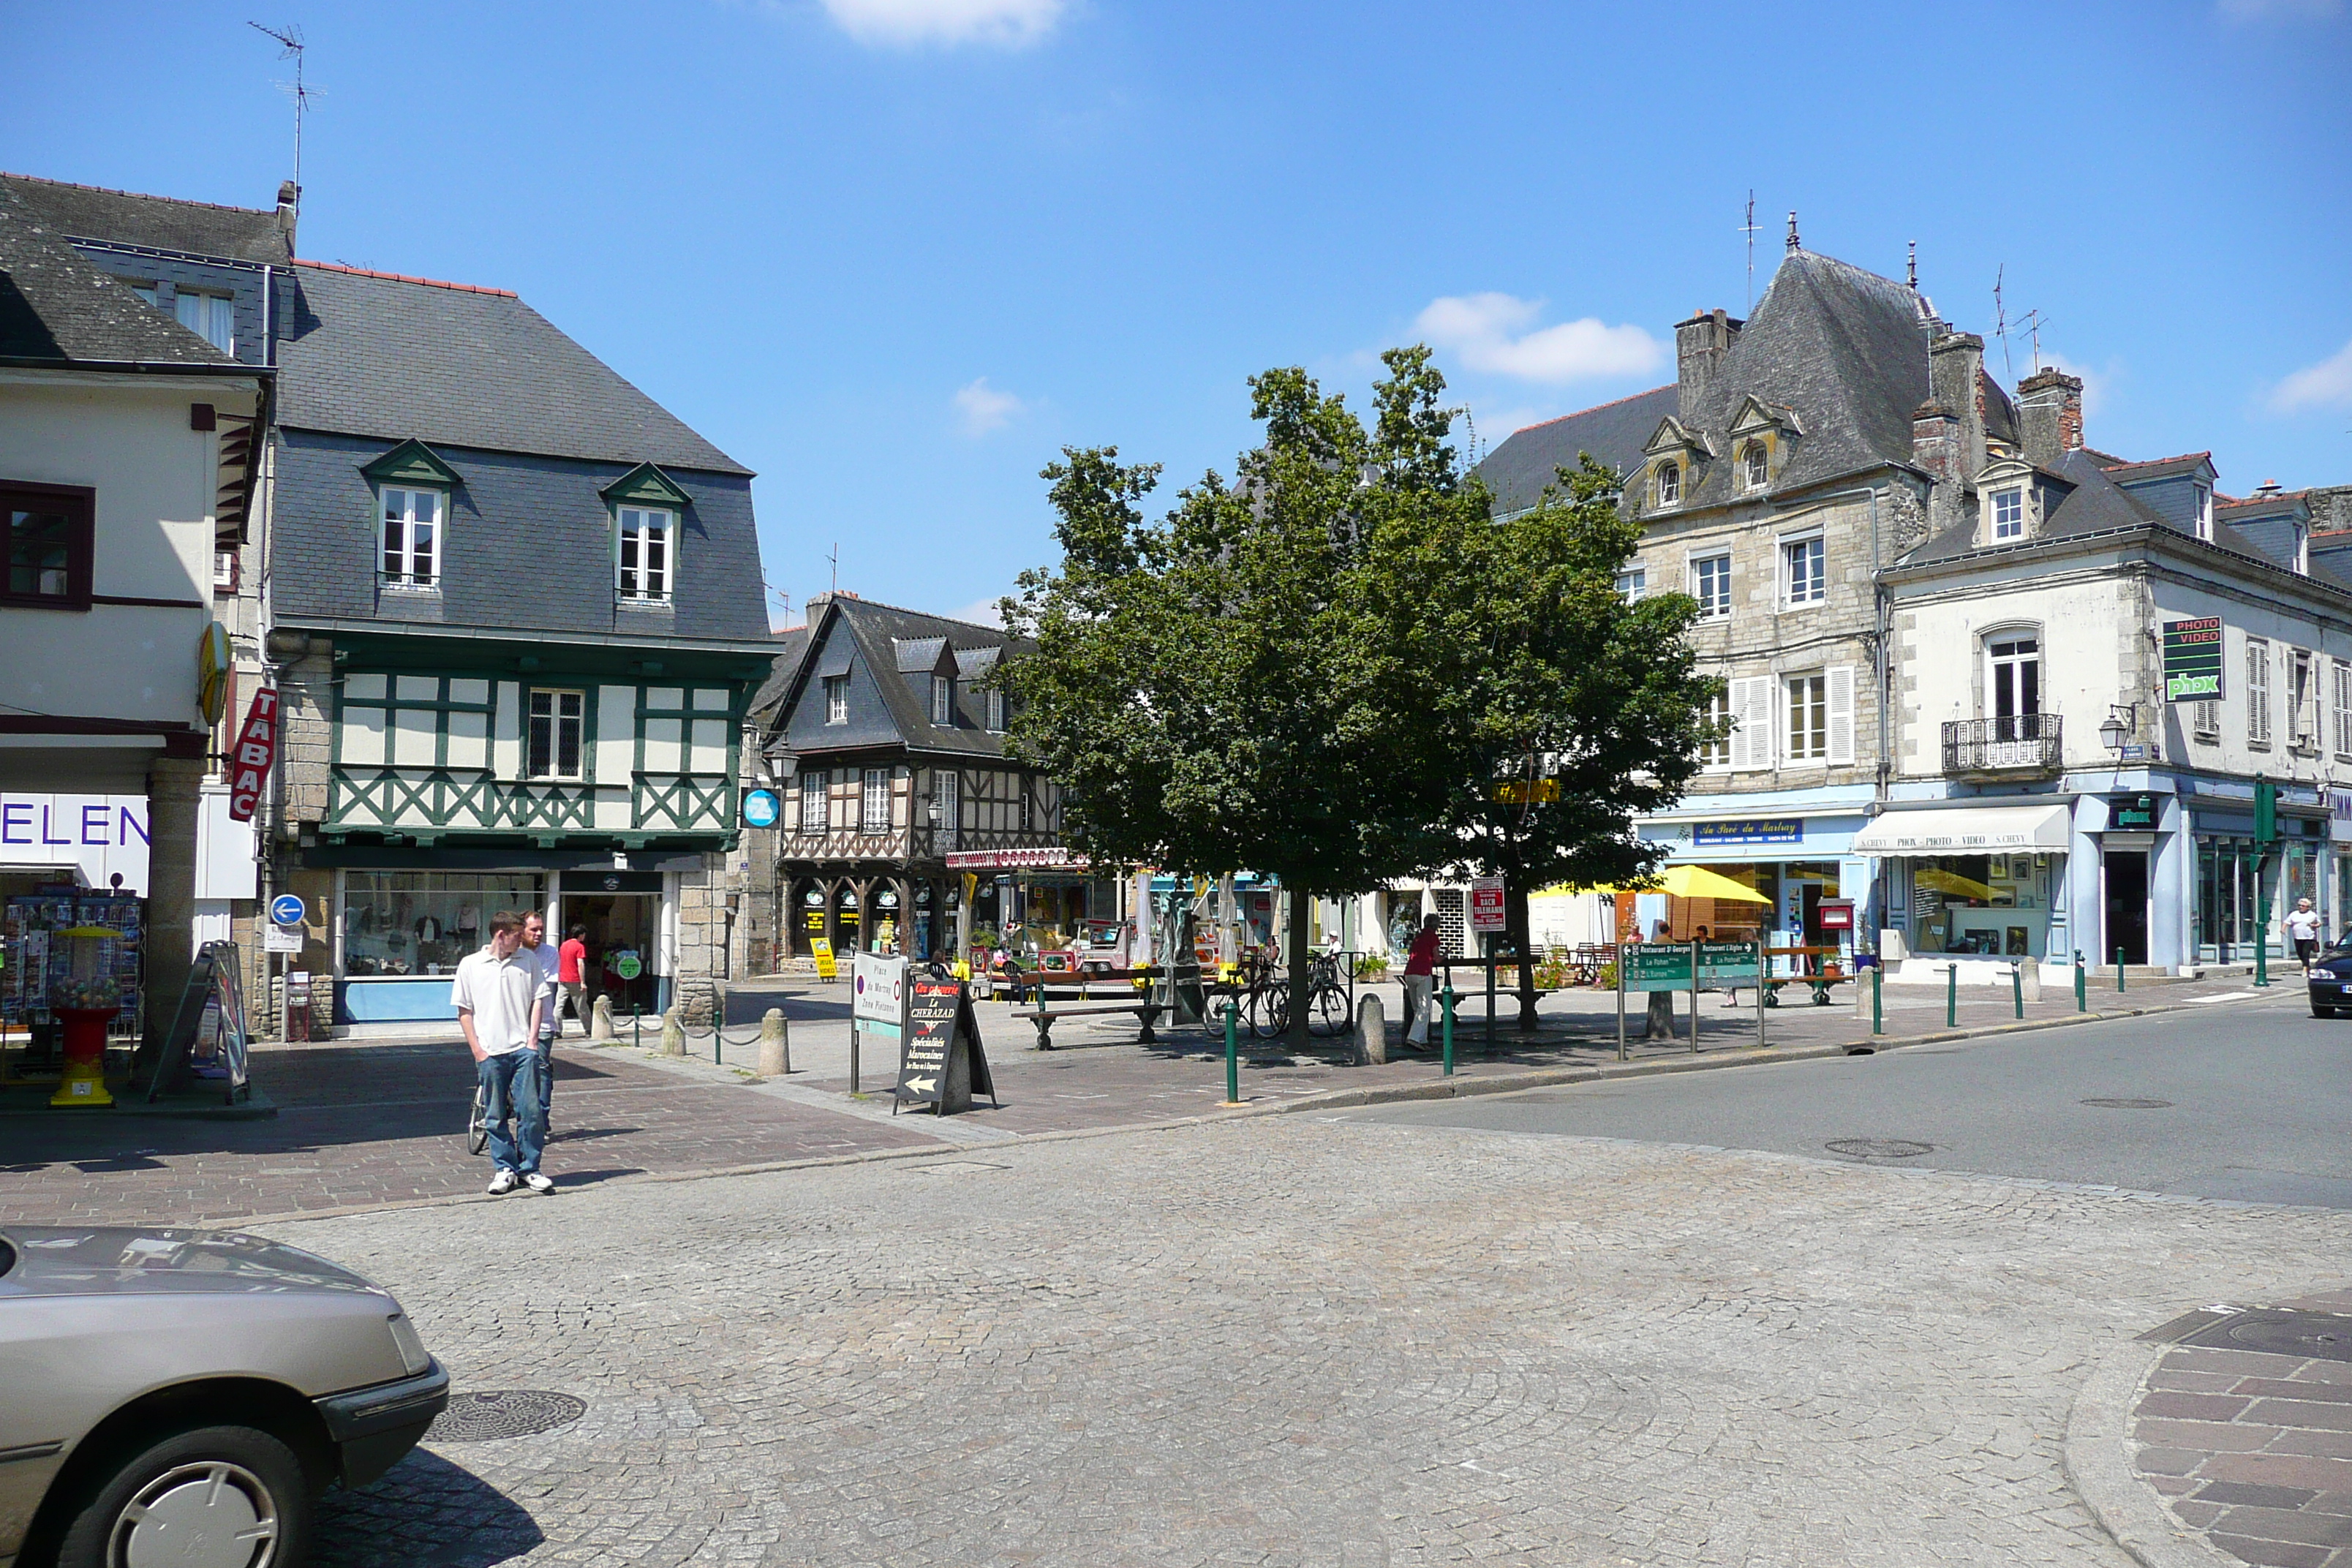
{"points": [[1953, 883], [1686, 882]]}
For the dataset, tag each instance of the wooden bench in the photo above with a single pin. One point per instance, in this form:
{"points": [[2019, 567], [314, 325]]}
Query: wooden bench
{"points": [[1044, 1017], [1819, 982]]}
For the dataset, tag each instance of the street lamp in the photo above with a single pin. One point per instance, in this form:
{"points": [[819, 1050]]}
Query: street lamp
{"points": [[2123, 722]]}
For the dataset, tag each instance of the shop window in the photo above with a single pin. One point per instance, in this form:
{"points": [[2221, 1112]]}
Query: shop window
{"points": [[50, 530], [412, 537], [2258, 692], [1711, 585], [1804, 578], [944, 806], [813, 795], [1995, 905], [836, 700], [555, 746], [423, 922], [874, 802], [645, 554]]}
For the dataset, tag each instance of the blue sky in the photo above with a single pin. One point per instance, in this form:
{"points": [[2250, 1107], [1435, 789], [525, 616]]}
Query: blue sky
{"points": [[895, 254]]}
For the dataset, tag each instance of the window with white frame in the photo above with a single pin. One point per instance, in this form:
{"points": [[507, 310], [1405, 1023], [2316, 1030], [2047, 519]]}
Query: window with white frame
{"points": [[1754, 466], [2343, 706], [2205, 721], [2201, 512], [212, 317], [1716, 754], [1670, 483], [2303, 691], [813, 795], [836, 700], [553, 749], [996, 712], [412, 537], [1804, 575], [645, 559], [2008, 514], [942, 699], [1711, 585], [874, 802], [944, 806], [1806, 699], [2258, 692], [2014, 664], [2303, 548], [1632, 583]]}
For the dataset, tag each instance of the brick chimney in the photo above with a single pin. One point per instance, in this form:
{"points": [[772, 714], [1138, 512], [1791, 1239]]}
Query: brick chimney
{"points": [[1937, 437], [2050, 415], [1700, 345], [1955, 360]]}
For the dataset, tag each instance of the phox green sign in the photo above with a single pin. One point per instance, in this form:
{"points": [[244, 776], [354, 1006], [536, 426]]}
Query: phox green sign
{"points": [[2193, 660]]}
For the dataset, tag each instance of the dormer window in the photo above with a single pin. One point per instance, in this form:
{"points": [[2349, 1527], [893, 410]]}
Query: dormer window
{"points": [[412, 537], [644, 554], [1670, 484], [2201, 512], [2008, 514], [2303, 548], [1754, 466], [942, 700], [996, 712]]}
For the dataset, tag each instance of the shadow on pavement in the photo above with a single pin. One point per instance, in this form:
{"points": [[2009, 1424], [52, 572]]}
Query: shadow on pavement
{"points": [[426, 1512]]}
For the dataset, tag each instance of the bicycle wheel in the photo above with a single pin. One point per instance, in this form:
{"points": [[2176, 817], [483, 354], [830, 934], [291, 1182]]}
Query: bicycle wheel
{"points": [[477, 1126], [1270, 1010], [1328, 1011]]}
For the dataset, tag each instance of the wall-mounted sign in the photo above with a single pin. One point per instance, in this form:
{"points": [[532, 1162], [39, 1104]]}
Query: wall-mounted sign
{"points": [[2134, 813], [256, 749], [2193, 660], [761, 809], [1486, 910], [104, 834], [1750, 830], [1010, 859]]}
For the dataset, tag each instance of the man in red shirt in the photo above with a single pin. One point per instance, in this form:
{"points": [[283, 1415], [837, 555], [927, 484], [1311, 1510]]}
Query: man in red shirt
{"points": [[1420, 979], [569, 974]]}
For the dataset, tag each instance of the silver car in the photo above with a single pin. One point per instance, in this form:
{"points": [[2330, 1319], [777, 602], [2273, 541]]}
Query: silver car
{"points": [[181, 1397]]}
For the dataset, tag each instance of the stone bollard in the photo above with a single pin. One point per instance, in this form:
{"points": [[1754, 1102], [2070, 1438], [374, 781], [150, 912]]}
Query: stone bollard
{"points": [[775, 1045], [600, 1020], [673, 1034], [2030, 970], [1371, 1032]]}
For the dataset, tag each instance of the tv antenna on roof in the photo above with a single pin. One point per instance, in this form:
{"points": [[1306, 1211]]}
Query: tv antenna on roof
{"points": [[2033, 322], [2000, 322], [289, 40], [834, 557], [1749, 228]]}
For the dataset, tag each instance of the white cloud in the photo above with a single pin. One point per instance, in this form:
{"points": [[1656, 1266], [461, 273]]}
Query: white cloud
{"points": [[979, 613], [905, 23], [2279, 10], [2326, 384], [1498, 333], [983, 408], [2098, 385]]}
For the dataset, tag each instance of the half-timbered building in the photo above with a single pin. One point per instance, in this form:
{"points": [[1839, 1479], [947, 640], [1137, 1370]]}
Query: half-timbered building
{"points": [[905, 825]]}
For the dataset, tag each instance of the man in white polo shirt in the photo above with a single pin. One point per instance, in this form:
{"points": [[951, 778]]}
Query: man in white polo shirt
{"points": [[496, 996]]}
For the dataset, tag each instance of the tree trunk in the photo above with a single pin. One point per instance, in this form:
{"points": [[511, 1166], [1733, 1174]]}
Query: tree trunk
{"points": [[1296, 1035], [1516, 925]]}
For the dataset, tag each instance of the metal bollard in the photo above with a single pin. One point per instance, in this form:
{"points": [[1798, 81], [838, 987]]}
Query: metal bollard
{"points": [[1448, 994], [1952, 996], [2119, 969], [1877, 1003], [1233, 1051], [2082, 984], [2017, 988]]}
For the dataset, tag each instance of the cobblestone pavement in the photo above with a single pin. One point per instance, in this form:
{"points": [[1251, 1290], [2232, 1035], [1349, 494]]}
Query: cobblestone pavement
{"points": [[1289, 1342], [378, 1124], [2254, 1449]]}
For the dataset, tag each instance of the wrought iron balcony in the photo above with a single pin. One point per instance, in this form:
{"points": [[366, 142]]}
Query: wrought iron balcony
{"points": [[2019, 744]]}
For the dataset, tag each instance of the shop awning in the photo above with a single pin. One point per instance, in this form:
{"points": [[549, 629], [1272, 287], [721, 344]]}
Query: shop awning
{"points": [[1967, 830]]}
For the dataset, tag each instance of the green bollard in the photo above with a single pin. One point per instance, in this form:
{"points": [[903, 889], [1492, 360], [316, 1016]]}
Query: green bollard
{"points": [[2082, 984], [1952, 994], [1877, 1009], [2119, 970], [1232, 1052], [2017, 988], [1448, 994]]}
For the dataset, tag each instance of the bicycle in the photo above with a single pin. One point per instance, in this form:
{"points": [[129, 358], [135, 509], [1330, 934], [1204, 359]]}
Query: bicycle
{"points": [[478, 1122]]}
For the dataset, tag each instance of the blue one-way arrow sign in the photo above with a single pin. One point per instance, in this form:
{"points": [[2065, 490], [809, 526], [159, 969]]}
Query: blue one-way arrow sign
{"points": [[286, 909]]}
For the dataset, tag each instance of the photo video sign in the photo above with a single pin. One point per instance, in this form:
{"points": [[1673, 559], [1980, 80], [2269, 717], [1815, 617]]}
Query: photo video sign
{"points": [[2193, 660]]}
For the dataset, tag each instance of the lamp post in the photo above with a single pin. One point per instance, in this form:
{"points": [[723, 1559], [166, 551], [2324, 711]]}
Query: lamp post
{"points": [[2121, 724]]}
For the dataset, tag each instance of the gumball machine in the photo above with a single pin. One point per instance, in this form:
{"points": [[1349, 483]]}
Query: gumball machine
{"points": [[85, 996]]}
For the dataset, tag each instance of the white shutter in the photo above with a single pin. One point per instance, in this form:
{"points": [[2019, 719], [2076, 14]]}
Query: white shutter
{"points": [[1840, 684], [1751, 713]]}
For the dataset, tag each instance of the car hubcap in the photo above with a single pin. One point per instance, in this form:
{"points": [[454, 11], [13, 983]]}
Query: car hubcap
{"points": [[210, 1515]]}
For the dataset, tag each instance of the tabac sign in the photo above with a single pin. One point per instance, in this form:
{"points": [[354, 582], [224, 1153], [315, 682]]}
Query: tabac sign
{"points": [[2193, 660], [256, 749]]}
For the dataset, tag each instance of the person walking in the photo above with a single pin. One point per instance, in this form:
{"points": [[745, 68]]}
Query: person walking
{"points": [[496, 993], [549, 1010], [2303, 929], [571, 974], [1420, 980]]}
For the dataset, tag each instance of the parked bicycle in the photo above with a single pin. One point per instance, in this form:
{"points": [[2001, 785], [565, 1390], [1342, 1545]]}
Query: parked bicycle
{"points": [[1265, 998]]}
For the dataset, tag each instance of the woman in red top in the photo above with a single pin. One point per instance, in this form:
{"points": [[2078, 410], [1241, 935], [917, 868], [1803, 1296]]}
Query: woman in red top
{"points": [[1420, 978]]}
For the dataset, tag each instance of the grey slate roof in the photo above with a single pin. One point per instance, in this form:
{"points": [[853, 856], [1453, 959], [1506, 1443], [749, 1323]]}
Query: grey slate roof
{"points": [[159, 223], [2094, 503], [875, 633], [919, 655], [1519, 469], [369, 353], [792, 647], [56, 306]]}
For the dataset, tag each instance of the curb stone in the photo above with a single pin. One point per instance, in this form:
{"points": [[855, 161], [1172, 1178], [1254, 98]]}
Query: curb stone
{"points": [[2099, 1463], [1328, 1100]]}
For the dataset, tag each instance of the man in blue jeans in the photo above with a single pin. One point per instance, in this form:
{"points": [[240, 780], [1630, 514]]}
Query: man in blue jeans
{"points": [[539, 951], [496, 996]]}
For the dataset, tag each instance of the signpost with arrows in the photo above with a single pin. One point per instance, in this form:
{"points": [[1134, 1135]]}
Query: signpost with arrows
{"points": [[941, 1063]]}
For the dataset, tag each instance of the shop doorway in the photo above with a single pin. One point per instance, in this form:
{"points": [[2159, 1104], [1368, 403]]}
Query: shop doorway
{"points": [[619, 923], [2127, 878]]}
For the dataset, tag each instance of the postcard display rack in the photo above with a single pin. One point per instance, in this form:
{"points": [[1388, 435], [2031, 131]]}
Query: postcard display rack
{"points": [[47, 976]]}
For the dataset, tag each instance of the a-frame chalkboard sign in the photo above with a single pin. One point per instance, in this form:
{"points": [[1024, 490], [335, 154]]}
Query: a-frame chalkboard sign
{"points": [[941, 1063]]}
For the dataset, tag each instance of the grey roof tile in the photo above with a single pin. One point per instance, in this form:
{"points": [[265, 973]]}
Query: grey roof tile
{"points": [[158, 223], [917, 655], [1524, 465], [56, 306], [879, 631]]}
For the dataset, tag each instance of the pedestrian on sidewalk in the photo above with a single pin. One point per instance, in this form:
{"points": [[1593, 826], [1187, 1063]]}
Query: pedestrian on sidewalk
{"points": [[548, 998], [496, 993], [1658, 1022], [1420, 980], [571, 974], [2303, 928]]}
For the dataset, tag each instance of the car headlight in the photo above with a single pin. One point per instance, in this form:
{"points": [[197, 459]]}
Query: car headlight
{"points": [[412, 1349]]}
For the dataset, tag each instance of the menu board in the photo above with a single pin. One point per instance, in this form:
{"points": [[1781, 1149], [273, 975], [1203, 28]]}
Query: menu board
{"points": [[941, 1063]]}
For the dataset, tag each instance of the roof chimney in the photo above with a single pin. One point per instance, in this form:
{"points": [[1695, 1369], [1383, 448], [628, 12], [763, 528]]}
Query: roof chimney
{"points": [[1792, 233], [1955, 360], [290, 207], [2050, 415], [2270, 487], [1700, 345]]}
